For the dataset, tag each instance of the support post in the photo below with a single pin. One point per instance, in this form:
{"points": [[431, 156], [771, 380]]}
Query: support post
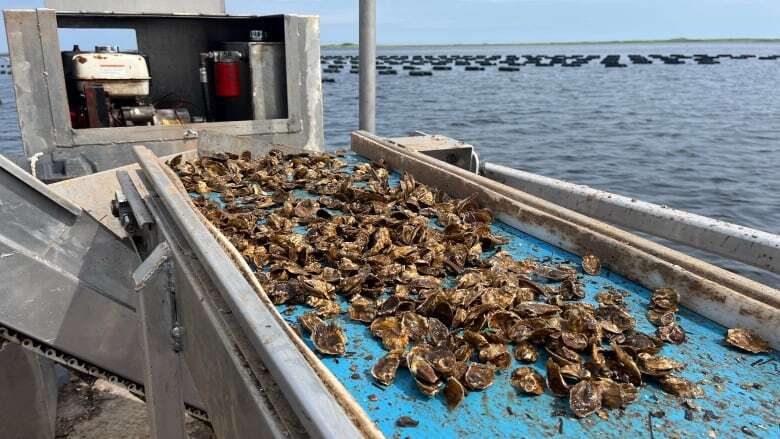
{"points": [[159, 334], [368, 65], [28, 400]]}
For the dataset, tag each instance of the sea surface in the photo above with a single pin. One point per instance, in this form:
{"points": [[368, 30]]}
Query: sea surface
{"points": [[702, 138]]}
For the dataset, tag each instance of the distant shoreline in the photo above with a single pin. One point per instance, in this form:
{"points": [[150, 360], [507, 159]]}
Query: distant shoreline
{"points": [[567, 43]]}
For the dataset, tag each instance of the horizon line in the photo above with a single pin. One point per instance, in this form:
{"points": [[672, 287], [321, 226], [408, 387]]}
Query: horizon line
{"points": [[563, 43]]}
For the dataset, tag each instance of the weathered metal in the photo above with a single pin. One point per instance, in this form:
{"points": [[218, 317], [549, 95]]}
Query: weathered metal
{"points": [[65, 280], [189, 7], [28, 402], [317, 410], [442, 148], [367, 78], [723, 303], [162, 363], [751, 246], [39, 83]]}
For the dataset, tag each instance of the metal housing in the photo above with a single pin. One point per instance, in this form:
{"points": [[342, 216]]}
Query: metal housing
{"points": [[173, 43]]}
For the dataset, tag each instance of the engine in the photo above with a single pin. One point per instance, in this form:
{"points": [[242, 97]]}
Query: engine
{"points": [[109, 88]]}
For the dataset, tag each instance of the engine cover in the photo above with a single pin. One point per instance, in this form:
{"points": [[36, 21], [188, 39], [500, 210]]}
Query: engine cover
{"points": [[120, 74]]}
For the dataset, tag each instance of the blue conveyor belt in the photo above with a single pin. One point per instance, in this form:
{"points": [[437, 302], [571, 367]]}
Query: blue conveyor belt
{"points": [[742, 391]]}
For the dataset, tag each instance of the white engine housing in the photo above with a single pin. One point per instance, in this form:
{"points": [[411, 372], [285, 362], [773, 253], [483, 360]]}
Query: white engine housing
{"points": [[120, 74]]}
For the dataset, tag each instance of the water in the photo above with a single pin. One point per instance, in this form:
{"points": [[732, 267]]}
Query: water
{"points": [[695, 137]]}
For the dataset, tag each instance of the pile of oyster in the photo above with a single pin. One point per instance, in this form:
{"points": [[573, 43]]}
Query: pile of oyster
{"points": [[427, 274]]}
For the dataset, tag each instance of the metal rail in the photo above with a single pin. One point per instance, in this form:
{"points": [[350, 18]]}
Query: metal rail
{"points": [[751, 246], [318, 411], [368, 65]]}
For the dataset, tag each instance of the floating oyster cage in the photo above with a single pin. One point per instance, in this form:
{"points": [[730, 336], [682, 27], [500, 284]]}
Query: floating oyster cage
{"points": [[227, 317]]}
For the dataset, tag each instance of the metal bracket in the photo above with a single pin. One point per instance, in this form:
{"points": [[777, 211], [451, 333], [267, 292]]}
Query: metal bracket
{"points": [[159, 328]]}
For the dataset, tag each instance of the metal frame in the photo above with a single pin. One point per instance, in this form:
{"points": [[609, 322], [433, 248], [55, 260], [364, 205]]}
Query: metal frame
{"points": [[751, 246], [161, 344], [65, 283], [39, 84]]}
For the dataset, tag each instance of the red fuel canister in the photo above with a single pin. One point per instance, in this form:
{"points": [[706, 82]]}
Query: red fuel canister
{"points": [[227, 79]]}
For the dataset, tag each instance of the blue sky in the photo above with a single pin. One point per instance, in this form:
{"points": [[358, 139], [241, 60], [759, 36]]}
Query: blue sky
{"points": [[499, 21]]}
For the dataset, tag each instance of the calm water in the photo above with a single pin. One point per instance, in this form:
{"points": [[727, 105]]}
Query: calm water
{"points": [[700, 138]]}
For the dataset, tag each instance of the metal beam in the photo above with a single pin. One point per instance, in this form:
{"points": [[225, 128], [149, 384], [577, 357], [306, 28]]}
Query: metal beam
{"points": [[368, 65], [751, 246]]}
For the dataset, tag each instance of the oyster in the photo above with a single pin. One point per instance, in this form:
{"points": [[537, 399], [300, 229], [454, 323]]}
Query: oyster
{"points": [[657, 366], [528, 380], [495, 354], [329, 339], [555, 381], [672, 333], [585, 398], [310, 321], [454, 392], [591, 265], [362, 309], [616, 395], [385, 369], [479, 376], [747, 340], [410, 262], [681, 387], [526, 353]]}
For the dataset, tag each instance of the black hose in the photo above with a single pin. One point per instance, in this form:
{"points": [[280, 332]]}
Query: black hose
{"points": [[204, 85]]}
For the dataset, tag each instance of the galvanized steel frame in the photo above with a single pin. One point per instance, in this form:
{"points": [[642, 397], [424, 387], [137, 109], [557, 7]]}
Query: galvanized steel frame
{"points": [[39, 83], [65, 280]]}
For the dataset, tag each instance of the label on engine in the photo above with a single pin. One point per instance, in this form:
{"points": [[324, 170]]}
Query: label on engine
{"points": [[113, 71]]}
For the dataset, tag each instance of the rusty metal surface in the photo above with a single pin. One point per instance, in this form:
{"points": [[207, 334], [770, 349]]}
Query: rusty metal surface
{"points": [[755, 247]]}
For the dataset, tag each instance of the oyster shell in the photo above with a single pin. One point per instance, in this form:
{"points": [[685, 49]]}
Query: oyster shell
{"points": [[591, 265], [454, 392], [479, 376], [527, 380], [681, 387], [410, 261], [329, 339], [385, 369], [585, 398], [526, 353], [747, 340]]}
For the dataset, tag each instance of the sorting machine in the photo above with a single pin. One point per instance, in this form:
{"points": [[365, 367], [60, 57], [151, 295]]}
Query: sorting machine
{"points": [[115, 274]]}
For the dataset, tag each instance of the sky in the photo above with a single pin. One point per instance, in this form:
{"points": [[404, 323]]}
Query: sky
{"points": [[519, 21]]}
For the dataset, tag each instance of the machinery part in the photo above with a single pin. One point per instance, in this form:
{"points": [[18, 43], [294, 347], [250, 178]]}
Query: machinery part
{"points": [[28, 402], [257, 36], [139, 115], [78, 365], [162, 362], [755, 247], [96, 103], [65, 279], [203, 73], [368, 65], [122, 75], [227, 73], [166, 116]]}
